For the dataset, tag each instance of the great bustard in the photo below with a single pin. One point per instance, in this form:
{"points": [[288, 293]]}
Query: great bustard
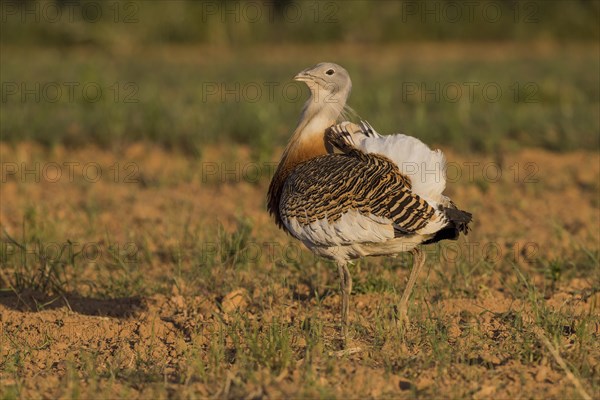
{"points": [[347, 192]]}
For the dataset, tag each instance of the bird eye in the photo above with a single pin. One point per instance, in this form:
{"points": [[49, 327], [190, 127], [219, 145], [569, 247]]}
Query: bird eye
{"points": [[330, 72]]}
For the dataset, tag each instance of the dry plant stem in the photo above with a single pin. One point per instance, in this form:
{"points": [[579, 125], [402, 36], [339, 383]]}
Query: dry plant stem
{"points": [[557, 357], [347, 352]]}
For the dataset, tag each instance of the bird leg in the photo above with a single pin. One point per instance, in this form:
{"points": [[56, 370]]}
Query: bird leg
{"points": [[346, 288], [418, 262]]}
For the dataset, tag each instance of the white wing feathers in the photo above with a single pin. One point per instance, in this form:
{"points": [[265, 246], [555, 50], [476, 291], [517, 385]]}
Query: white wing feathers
{"points": [[425, 168]]}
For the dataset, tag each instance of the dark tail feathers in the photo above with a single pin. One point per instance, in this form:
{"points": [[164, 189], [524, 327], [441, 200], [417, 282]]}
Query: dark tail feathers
{"points": [[459, 218], [459, 222]]}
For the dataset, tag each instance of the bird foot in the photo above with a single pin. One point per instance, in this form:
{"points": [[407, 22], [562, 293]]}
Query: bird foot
{"points": [[402, 317]]}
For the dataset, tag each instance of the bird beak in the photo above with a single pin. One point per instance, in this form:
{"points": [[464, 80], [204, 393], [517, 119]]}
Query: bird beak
{"points": [[303, 76]]}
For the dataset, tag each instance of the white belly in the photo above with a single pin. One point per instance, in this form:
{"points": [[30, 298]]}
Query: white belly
{"points": [[357, 250]]}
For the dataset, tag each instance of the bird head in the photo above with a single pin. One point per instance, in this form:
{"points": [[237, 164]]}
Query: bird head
{"points": [[327, 82]]}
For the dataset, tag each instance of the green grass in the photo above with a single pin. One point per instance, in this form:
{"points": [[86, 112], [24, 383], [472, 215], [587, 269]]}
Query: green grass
{"points": [[245, 22], [183, 102], [241, 347], [52, 267]]}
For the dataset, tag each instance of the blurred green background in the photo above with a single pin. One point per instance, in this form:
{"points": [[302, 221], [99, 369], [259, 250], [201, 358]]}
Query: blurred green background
{"points": [[479, 75]]}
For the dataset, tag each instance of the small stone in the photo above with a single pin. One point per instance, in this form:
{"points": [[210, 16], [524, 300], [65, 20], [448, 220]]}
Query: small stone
{"points": [[541, 374], [405, 385], [485, 392], [179, 301], [235, 300]]}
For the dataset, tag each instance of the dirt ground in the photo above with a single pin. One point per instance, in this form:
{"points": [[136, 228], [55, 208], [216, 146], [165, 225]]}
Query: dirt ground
{"points": [[216, 302]]}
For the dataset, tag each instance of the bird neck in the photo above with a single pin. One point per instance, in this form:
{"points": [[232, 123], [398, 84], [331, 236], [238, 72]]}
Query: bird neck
{"points": [[307, 142]]}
